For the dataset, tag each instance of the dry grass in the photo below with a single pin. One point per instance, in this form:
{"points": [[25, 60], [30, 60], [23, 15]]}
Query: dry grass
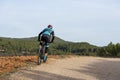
{"points": [[8, 64]]}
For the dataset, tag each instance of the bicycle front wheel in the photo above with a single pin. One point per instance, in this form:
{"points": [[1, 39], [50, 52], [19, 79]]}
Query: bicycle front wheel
{"points": [[39, 60], [39, 57]]}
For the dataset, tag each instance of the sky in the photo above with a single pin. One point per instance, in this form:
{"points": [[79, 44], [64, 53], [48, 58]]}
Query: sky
{"points": [[94, 21]]}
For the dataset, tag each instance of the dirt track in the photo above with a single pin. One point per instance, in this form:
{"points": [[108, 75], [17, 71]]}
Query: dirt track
{"points": [[75, 68]]}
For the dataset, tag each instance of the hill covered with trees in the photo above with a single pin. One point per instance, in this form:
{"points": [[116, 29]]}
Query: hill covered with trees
{"points": [[29, 46]]}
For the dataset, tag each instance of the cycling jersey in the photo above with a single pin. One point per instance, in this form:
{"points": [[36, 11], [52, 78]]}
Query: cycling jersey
{"points": [[47, 31]]}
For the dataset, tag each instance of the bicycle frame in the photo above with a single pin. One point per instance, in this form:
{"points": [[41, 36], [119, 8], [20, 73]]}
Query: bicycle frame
{"points": [[41, 53]]}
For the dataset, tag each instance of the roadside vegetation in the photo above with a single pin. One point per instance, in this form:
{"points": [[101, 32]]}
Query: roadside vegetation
{"points": [[29, 46]]}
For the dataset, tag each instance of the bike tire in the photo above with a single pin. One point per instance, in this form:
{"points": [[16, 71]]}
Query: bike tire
{"points": [[39, 57], [39, 60]]}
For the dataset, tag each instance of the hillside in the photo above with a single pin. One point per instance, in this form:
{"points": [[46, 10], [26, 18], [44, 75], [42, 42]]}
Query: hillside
{"points": [[29, 46]]}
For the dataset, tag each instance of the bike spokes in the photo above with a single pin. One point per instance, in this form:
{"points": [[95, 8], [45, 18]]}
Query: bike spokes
{"points": [[39, 60]]}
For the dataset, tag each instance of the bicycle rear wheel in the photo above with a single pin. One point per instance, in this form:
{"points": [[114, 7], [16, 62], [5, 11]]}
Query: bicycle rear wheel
{"points": [[39, 57]]}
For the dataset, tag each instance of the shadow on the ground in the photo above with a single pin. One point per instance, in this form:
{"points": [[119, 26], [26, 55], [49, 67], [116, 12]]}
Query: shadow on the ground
{"points": [[40, 75], [102, 70]]}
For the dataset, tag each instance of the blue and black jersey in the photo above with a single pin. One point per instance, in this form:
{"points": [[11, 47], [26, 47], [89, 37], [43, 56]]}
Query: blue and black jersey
{"points": [[48, 32]]}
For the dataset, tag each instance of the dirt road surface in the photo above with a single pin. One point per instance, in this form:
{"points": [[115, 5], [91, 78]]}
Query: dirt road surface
{"points": [[74, 68]]}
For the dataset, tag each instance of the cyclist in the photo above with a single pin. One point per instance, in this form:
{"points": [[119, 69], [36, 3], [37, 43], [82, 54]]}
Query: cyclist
{"points": [[46, 35]]}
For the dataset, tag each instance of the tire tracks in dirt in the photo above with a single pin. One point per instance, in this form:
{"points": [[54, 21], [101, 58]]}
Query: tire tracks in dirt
{"points": [[73, 68]]}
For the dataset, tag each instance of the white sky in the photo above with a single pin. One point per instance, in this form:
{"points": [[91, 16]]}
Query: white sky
{"points": [[93, 21]]}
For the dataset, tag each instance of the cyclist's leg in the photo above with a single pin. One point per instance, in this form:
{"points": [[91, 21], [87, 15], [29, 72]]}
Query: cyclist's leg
{"points": [[41, 46], [46, 47], [46, 54]]}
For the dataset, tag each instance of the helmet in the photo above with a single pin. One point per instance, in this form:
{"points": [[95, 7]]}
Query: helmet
{"points": [[50, 26]]}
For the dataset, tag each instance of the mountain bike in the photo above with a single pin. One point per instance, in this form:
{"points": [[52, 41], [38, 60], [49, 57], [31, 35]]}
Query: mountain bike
{"points": [[41, 53]]}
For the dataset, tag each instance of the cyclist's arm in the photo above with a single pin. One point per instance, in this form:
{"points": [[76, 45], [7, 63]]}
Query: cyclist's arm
{"points": [[53, 36], [39, 36]]}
